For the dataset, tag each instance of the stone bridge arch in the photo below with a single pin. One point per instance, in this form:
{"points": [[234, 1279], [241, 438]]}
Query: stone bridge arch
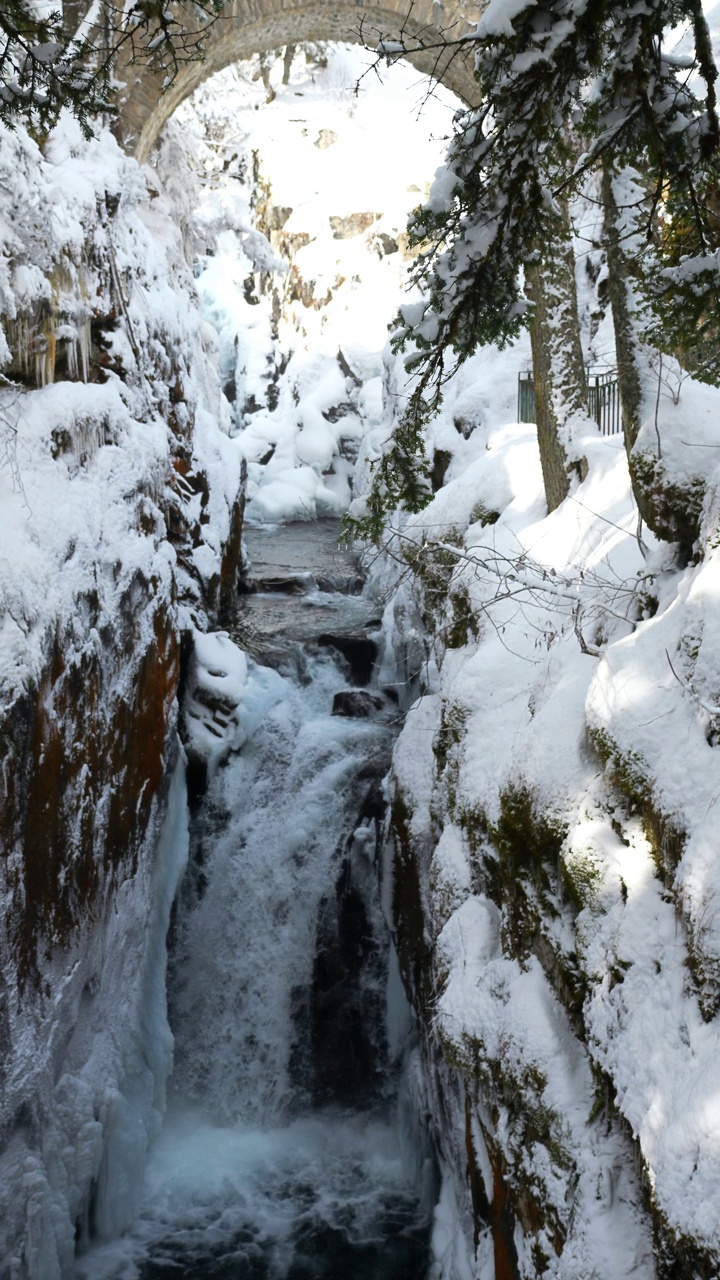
{"points": [[247, 27]]}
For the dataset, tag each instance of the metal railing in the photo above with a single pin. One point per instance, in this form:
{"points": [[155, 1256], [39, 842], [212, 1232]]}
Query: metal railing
{"points": [[603, 400], [526, 397]]}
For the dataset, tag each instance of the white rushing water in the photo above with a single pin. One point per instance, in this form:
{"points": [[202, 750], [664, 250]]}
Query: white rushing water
{"points": [[320, 1197], [251, 1179], [278, 814]]}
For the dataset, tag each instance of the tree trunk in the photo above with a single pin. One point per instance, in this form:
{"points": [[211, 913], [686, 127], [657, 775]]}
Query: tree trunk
{"points": [[558, 368], [671, 508], [73, 12], [288, 58], [625, 337]]}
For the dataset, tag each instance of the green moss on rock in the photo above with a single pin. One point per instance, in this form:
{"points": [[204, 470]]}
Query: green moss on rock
{"points": [[528, 845], [463, 625], [671, 510]]}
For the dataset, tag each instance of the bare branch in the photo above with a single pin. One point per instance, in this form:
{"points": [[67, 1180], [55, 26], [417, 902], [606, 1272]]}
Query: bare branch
{"points": [[706, 706]]}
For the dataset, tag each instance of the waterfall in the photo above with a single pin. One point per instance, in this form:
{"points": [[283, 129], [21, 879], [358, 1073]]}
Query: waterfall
{"points": [[277, 813], [281, 1156]]}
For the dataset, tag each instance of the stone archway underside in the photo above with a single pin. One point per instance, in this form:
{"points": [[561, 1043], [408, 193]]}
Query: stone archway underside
{"points": [[256, 26]]}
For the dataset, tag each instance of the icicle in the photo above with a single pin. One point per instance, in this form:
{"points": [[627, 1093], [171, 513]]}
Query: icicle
{"points": [[44, 348], [135, 1113], [68, 334], [84, 344]]}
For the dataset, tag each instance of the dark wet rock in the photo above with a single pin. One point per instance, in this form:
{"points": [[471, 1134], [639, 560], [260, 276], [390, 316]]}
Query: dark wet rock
{"points": [[441, 461], [347, 370], [338, 411], [356, 703], [351, 585], [349, 448], [349, 1059], [359, 652], [294, 584]]}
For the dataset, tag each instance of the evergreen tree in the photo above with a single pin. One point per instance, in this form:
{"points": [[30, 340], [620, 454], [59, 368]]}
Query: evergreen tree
{"points": [[566, 86]]}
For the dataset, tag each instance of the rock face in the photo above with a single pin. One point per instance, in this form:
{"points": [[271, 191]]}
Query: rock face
{"points": [[112, 552], [552, 871], [357, 703], [344, 228], [89, 752], [473, 898]]}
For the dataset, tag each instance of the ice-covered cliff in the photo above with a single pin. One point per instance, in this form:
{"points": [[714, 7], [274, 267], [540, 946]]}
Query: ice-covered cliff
{"points": [[120, 495]]}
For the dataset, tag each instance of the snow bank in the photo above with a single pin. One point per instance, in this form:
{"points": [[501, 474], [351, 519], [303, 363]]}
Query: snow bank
{"points": [[560, 778]]}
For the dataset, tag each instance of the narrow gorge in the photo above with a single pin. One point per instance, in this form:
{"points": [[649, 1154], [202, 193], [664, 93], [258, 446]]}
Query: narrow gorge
{"points": [[281, 1153], [359, 903]]}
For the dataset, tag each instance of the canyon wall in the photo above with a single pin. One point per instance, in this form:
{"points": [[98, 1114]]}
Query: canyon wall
{"points": [[122, 502], [553, 871]]}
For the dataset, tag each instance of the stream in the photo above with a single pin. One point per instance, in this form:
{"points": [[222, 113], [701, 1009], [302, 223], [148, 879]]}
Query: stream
{"points": [[289, 1149]]}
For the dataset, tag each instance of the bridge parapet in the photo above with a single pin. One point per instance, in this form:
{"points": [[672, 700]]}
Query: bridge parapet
{"points": [[247, 27]]}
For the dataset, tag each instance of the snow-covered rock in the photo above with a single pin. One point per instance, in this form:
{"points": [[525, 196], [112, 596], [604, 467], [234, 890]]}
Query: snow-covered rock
{"points": [[121, 499], [554, 872]]}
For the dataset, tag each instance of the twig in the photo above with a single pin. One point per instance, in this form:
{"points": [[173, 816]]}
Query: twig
{"points": [[657, 409], [590, 649], [518, 576], [639, 538], [706, 706]]}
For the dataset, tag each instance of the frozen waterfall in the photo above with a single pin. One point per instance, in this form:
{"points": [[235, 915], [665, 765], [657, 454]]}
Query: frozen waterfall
{"points": [[282, 1156]]}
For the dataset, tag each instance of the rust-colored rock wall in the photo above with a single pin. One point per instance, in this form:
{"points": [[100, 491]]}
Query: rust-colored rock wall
{"points": [[85, 760]]}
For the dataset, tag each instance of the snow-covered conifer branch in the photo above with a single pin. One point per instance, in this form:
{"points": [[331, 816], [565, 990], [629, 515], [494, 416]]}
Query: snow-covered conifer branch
{"points": [[44, 68], [564, 86]]}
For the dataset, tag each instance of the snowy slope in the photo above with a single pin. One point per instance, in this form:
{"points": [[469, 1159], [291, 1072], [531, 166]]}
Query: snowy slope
{"points": [[560, 777]]}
